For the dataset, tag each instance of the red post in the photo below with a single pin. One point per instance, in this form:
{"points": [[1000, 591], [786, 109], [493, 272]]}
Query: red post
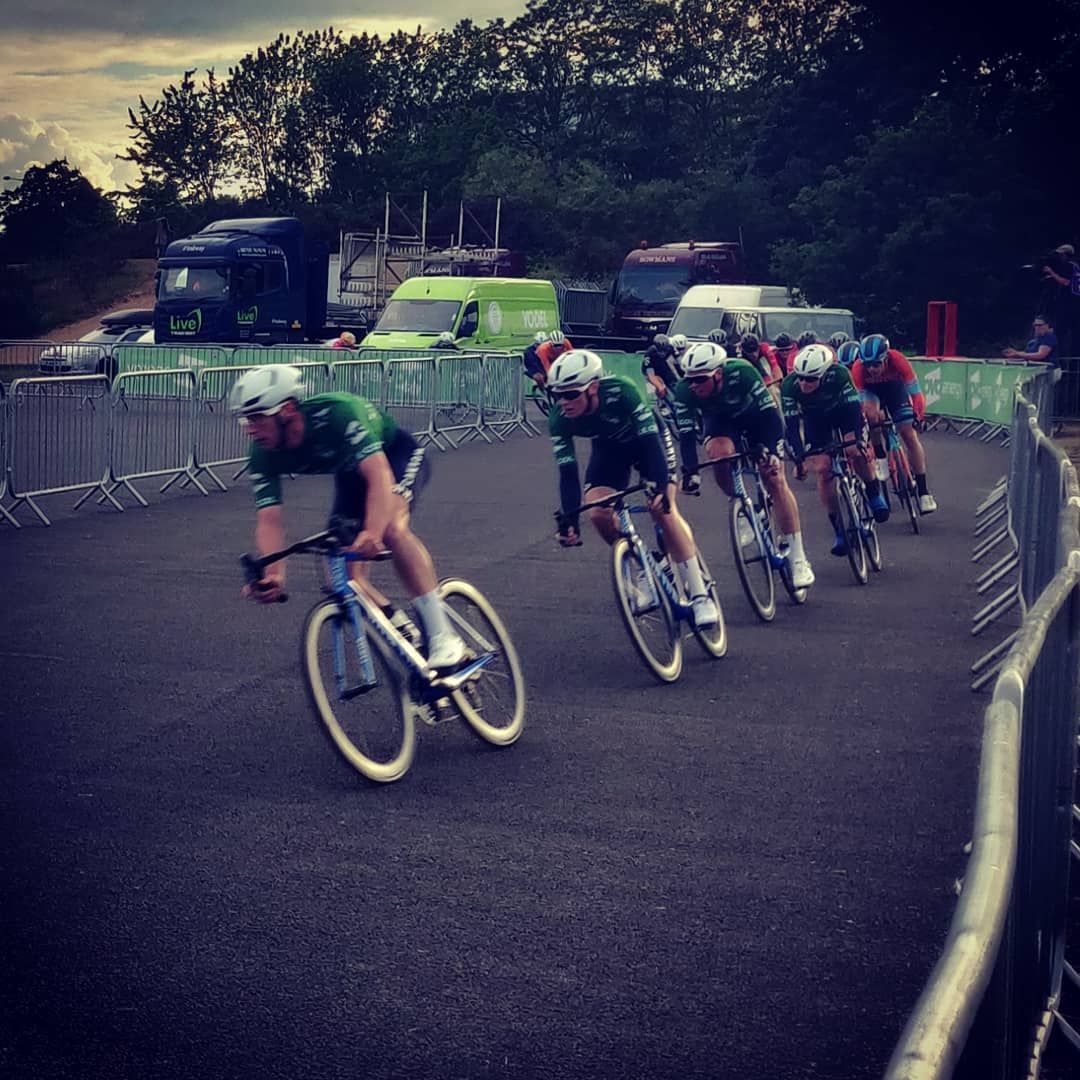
{"points": [[940, 328]]}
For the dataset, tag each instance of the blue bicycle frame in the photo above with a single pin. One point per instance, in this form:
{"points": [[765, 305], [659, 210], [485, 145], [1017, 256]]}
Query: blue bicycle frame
{"points": [[764, 536], [680, 608]]}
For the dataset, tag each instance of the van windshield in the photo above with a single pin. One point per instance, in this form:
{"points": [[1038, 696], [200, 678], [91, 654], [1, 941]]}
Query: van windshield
{"points": [[696, 322], [419, 316], [650, 287], [797, 322]]}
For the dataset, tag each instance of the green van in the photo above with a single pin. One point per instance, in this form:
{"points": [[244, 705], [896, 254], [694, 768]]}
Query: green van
{"points": [[481, 313]]}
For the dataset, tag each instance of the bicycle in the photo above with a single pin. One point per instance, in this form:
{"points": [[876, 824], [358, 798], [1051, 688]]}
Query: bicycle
{"points": [[860, 529], [634, 568], [351, 652], [751, 515], [901, 477]]}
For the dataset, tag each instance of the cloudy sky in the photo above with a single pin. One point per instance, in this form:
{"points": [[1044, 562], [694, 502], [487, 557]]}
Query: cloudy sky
{"points": [[69, 70]]}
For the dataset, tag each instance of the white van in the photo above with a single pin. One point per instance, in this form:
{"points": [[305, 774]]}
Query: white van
{"points": [[702, 307]]}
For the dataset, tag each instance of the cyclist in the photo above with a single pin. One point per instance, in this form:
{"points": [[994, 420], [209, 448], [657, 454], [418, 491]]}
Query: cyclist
{"points": [[884, 377], [609, 410], [761, 355], [377, 469], [544, 351], [657, 365], [807, 337], [838, 339], [680, 343], [848, 353], [784, 348], [821, 394], [732, 400], [718, 337]]}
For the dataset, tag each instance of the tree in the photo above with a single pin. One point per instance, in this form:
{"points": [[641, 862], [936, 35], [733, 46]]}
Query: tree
{"points": [[54, 211], [184, 139]]}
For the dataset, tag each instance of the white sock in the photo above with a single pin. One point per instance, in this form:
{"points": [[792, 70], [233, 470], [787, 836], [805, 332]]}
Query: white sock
{"points": [[691, 574], [430, 609], [795, 542]]}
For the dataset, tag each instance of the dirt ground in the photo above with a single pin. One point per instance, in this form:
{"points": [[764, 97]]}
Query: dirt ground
{"points": [[140, 297]]}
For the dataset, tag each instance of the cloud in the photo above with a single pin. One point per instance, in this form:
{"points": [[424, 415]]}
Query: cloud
{"points": [[71, 70]]}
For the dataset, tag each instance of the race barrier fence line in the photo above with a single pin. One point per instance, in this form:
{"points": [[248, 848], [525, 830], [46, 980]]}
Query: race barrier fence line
{"points": [[85, 434], [995, 1002]]}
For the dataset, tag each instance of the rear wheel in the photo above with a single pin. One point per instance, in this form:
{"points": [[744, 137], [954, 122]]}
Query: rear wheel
{"points": [[651, 626], [369, 719], [713, 639], [751, 561], [492, 702]]}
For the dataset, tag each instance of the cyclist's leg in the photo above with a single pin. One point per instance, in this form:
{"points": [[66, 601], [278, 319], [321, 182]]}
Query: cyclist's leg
{"points": [[903, 414], [350, 500], [872, 410], [851, 421], [608, 471], [720, 443]]}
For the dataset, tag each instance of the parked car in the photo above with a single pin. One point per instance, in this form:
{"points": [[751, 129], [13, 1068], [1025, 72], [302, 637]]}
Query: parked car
{"points": [[92, 353]]}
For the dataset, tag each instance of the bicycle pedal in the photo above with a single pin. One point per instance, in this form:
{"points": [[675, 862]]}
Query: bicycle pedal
{"points": [[438, 712]]}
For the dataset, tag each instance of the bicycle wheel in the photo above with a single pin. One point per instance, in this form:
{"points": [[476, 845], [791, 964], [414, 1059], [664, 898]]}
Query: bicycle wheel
{"points": [[653, 631], [371, 727], [751, 561], [870, 540], [904, 486], [492, 702], [849, 517], [797, 596], [713, 639]]}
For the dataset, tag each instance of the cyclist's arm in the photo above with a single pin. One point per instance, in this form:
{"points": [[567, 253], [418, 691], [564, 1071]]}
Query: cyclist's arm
{"points": [[270, 536], [792, 425], [566, 460], [380, 501], [684, 421], [911, 384]]}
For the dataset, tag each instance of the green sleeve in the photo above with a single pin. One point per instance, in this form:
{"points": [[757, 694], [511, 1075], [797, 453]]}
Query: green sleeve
{"points": [[789, 401], [362, 429], [639, 408], [562, 441], [265, 482], [685, 412]]}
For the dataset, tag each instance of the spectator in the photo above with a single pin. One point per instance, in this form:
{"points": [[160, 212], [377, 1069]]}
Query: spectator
{"points": [[161, 236], [1042, 348], [345, 340], [1064, 272]]}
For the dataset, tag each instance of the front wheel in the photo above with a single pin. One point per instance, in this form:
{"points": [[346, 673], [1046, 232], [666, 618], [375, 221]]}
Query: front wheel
{"points": [[646, 613], [849, 516], [361, 702], [904, 486], [869, 528], [492, 701], [751, 560]]}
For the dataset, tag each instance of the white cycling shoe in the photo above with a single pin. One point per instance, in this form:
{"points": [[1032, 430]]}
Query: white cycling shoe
{"points": [[746, 533], [881, 469], [802, 575], [927, 504], [445, 650], [639, 590], [704, 612]]}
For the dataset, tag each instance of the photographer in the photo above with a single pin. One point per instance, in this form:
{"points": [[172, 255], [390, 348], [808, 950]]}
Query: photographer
{"points": [[1061, 274]]}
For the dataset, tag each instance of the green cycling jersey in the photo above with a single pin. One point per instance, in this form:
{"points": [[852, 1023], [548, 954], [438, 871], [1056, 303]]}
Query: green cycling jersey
{"points": [[834, 392], [340, 430], [621, 416], [742, 393]]}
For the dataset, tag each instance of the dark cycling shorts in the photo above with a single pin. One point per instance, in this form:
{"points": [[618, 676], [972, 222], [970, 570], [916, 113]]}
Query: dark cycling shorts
{"points": [[610, 463], [893, 397], [818, 428], [413, 472], [762, 428]]}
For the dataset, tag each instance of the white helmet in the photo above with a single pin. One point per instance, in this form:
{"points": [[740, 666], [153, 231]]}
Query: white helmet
{"points": [[811, 362], [265, 389], [679, 341], [703, 358], [557, 337], [574, 370]]}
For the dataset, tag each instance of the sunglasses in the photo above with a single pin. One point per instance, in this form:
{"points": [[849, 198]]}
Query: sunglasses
{"points": [[698, 379], [566, 395], [808, 378]]}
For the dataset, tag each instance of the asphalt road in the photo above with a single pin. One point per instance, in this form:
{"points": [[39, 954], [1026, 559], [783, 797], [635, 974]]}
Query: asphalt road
{"points": [[746, 874]]}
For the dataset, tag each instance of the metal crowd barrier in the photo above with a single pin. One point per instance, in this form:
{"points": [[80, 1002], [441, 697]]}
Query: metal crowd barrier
{"points": [[57, 432], [173, 424], [994, 1001]]}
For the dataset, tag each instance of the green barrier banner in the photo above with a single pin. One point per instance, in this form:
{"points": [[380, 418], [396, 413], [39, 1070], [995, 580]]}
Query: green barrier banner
{"points": [[169, 357], [247, 356], [944, 385]]}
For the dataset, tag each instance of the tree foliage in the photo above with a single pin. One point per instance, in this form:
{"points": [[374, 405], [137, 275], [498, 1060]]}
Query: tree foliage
{"points": [[875, 155]]}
